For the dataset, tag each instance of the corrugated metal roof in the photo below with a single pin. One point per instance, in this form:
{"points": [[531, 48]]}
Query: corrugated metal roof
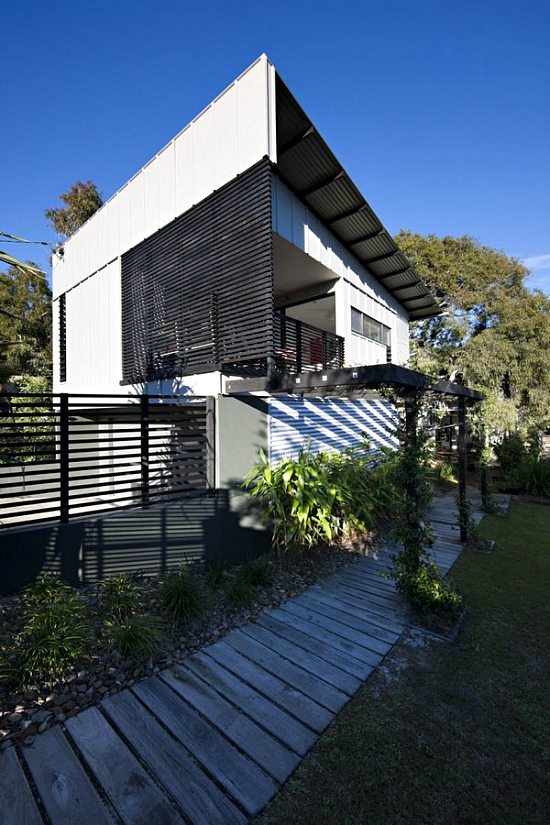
{"points": [[311, 170]]}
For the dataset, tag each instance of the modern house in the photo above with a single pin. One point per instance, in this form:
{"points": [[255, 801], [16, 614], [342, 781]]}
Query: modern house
{"points": [[240, 255]]}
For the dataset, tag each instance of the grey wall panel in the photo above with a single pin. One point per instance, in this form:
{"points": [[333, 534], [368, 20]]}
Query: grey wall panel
{"points": [[330, 423]]}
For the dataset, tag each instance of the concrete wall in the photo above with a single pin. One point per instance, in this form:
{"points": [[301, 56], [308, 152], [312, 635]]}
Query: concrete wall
{"points": [[151, 541]]}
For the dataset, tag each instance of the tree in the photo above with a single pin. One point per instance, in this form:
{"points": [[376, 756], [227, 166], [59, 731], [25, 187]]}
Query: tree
{"points": [[25, 321], [82, 200], [494, 332]]}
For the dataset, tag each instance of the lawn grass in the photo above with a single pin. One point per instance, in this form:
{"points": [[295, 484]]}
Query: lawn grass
{"points": [[449, 733]]}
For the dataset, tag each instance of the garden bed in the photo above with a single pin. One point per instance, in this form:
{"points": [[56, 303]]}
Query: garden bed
{"points": [[27, 711]]}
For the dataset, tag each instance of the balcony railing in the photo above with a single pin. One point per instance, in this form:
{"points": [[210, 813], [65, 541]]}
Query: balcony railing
{"points": [[300, 347]]}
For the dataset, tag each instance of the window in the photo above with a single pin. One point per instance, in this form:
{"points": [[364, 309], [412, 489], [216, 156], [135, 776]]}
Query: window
{"points": [[364, 325], [62, 339]]}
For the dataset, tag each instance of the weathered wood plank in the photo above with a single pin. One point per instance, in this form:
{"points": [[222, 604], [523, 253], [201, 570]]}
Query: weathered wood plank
{"points": [[284, 695], [395, 615], [65, 790], [360, 658], [391, 601], [17, 805], [319, 666], [352, 616], [134, 796], [289, 730], [360, 640], [272, 756], [197, 796], [357, 601], [339, 671], [247, 641], [240, 777]]}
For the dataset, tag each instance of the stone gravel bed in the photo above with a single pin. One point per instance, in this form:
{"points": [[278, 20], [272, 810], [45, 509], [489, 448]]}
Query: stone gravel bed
{"points": [[36, 708]]}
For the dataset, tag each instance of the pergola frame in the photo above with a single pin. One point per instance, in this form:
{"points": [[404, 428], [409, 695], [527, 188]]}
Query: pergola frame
{"points": [[352, 382]]}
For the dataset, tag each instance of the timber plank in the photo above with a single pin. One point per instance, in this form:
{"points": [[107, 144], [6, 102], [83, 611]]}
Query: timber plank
{"points": [[241, 777], [318, 666], [249, 644], [66, 792], [17, 805], [284, 695], [198, 797], [325, 623], [135, 797], [390, 601], [273, 757], [356, 618], [289, 730], [338, 670], [392, 615], [357, 601], [360, 658]]}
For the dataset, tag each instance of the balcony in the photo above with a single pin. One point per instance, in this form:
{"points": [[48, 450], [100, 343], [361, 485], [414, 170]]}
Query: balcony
{"points": [[297, 347], [300, 347]]}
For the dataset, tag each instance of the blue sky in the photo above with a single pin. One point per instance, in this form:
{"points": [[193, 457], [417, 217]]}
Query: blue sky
{"points": [[439, 110]]}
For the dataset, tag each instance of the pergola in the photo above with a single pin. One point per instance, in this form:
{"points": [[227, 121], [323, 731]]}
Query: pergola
{"points": [[354, 382]]}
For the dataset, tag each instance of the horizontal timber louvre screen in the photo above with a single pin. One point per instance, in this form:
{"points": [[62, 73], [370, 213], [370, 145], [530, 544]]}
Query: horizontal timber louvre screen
{"points": [[63, 456], [198, 293]]}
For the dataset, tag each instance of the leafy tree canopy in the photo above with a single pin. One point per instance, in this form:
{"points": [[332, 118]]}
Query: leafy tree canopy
{"points": [[25, 321], [494, 332], [81, 201]]}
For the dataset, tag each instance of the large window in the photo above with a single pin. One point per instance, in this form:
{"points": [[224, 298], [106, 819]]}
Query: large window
{"points": [[369, 328]]}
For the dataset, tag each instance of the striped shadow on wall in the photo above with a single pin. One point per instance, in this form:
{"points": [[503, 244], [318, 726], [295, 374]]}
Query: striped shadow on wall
{"points": [[330, 423]]}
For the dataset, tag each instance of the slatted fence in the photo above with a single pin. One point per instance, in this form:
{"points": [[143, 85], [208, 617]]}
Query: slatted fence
{"points": [[63, 456]]}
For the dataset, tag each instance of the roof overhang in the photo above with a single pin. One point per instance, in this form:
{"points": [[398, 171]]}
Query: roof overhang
{"points": [[309, 168], [350, 381]]}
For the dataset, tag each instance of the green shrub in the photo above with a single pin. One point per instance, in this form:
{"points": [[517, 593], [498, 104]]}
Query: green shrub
{"points": [[511, 453], [319, 497], [47, 589], [533, 476], [215, 572], [120, 596], [238, 589], [55, 635], [298, 497], [428, 592], [182, 595], [135, 636], [257, 572]]}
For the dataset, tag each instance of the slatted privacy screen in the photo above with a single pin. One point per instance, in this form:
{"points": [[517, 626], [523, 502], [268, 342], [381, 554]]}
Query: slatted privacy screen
{"points": [[300, 347], [198, 293], [63, 456]]}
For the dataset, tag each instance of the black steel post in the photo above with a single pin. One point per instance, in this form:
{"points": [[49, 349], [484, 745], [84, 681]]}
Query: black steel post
{"points": [[298, 346], [64, 457], [144, 423], [462, 461]]}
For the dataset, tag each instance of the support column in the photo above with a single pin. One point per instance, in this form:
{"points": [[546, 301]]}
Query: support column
{"points": [[462, 460]]}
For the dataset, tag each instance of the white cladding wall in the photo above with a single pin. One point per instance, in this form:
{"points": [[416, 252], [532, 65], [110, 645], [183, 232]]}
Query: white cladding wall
{"points": [[330, 423], [294, 222], [228, 137]]}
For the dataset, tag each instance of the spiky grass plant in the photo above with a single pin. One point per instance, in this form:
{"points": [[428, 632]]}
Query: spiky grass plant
{"points": [[182, 595], [120, 596], [257, 572], [135, 636]]}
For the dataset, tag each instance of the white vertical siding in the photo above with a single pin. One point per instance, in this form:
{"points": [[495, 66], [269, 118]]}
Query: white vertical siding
{"points": [[234, 132], [93, 312], [402, 339], [330, 423]]}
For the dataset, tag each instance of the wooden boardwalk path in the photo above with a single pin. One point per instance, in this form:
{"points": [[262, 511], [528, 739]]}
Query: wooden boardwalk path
{"points": [[212, 739]]}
